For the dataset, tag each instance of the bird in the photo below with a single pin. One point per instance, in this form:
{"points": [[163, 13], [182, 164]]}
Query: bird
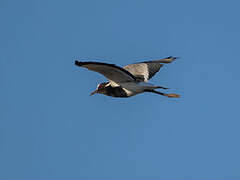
{"points": [[130, 80]]}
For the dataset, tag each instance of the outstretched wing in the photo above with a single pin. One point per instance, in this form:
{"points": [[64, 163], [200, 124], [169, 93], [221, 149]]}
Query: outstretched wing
{"points": [[115, 74], [144, 71]]}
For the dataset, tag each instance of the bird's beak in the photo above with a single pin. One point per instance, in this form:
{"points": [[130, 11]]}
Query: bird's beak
{"points": [[94, 92]]}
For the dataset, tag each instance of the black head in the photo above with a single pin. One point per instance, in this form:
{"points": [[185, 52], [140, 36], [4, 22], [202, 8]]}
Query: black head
{"points": [[101, 88]]}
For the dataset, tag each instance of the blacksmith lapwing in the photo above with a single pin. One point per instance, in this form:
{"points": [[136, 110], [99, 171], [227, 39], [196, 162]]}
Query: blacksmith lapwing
{"points": [[129, 80]]}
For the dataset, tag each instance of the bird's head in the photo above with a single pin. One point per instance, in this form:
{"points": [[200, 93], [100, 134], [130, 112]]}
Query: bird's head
{"points": [[101, 89]]}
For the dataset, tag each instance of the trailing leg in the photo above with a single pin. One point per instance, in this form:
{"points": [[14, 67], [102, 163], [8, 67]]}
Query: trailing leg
{"points": [[160, 87]]}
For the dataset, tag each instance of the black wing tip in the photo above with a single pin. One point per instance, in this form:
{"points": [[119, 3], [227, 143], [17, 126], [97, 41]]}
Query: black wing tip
{"points": [[78, 63]]}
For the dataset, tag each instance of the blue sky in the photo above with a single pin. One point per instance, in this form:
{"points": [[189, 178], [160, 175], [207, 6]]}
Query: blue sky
{"points": [[50, 128]]}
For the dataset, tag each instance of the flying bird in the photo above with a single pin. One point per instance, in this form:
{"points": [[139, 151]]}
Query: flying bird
{"points": [[129, 80]]}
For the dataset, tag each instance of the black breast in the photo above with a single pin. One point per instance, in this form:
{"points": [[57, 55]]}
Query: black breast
{"points": [[116, 91]]}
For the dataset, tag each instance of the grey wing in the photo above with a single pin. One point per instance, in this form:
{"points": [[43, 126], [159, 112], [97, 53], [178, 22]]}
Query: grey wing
{"points": [[144, 71], [115, 74]]}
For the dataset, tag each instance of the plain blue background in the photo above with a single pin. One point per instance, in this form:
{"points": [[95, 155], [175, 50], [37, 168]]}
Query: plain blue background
{"points": [[51, 129]]}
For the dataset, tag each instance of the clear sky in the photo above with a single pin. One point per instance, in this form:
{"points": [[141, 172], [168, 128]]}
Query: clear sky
{"points": [[51, 129]]}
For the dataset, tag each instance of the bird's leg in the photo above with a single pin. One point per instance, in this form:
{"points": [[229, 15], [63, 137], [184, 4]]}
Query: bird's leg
{"points": [[163, 94], [160, 87]]}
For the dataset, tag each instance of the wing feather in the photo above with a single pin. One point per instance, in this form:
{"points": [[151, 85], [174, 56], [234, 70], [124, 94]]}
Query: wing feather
{"points": [[115, 74], [144, 71]]}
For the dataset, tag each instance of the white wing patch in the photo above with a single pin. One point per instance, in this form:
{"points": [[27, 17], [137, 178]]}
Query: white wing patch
{"points": [[140, 71], [144, 71]]}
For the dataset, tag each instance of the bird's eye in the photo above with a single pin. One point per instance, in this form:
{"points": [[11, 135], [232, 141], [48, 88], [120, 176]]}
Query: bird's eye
{"points": [[100, 86]]}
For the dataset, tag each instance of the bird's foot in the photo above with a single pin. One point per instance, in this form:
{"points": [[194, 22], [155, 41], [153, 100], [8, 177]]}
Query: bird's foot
{"points": [[172, 95], [160, 87]]}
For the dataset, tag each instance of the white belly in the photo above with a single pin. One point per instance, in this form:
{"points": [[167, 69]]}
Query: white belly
{"points": [[133, 88]]}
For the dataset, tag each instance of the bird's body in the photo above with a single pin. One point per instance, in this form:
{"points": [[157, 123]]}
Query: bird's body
{"points": [[127, 89], [129, 80]]}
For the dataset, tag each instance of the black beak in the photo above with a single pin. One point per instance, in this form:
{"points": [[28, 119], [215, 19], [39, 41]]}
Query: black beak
{"points": [[94, 92]]}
